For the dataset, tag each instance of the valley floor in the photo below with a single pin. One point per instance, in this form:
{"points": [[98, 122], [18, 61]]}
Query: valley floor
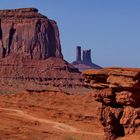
{"points": [[49, 116]]}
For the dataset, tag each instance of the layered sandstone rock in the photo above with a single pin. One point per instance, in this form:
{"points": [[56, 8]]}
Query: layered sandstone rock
{"points": [[30, 50], [118, 91], [28, 32]]}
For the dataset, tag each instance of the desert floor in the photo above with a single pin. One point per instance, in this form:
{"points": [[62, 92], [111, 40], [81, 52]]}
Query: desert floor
{"points": [[49, 116]]}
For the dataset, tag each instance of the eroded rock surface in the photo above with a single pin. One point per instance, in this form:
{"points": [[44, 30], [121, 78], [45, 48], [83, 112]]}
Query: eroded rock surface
{"points": [[30, 50], [118, 91], [27, 31]]}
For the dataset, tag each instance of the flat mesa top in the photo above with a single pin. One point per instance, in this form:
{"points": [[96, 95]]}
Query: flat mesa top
{"points": [[20, 13], [20, 10]]}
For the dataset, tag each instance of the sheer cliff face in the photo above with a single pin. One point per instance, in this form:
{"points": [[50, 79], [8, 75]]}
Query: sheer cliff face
{"points": [[28, 32]]}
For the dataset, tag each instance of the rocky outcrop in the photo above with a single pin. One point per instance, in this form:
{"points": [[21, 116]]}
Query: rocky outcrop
{"points": [[30, 51], [118, 91], [37, 74], [28, 32], [85, 62]]}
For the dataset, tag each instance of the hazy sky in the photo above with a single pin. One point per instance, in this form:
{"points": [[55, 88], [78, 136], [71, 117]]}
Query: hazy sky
{"points": [[111, 28]]}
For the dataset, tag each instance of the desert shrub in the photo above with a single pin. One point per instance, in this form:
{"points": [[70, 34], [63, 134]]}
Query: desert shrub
{"points": [[7, 92], [70, 138]]}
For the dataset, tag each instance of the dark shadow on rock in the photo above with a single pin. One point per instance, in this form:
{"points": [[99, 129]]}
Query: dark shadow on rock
{"points": [[11, 34]]}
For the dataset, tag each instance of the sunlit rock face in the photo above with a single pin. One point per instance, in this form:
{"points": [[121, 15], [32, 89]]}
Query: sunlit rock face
{"points": [[29, 32], [30, 52], [118, 89]]}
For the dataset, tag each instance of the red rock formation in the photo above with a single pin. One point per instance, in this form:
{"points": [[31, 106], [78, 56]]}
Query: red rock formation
{"points": [[28, 32], [30, 51], [118, 91]]}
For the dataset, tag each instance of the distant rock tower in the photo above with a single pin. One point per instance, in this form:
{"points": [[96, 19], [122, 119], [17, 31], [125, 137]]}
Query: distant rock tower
{"points": [[78, 53], [84, 61], [87, 57]]}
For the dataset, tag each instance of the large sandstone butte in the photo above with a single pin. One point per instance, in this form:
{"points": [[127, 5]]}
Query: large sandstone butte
{"points": [[118, 89], [30, 50], [27, 31]]}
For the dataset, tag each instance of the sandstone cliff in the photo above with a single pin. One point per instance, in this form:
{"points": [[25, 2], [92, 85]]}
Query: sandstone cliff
{"points": [[30, 50], [27, 31], [118, 91]]}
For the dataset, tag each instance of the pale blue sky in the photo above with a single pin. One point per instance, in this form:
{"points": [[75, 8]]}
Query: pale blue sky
{"points": [[111, 28]]}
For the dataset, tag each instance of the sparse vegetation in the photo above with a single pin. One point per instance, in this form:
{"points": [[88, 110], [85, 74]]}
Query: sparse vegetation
{"points": [[7, 92], [71, 138]]}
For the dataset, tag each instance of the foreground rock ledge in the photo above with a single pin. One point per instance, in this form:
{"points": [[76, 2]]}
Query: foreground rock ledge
{"points": [[118, 89]]}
